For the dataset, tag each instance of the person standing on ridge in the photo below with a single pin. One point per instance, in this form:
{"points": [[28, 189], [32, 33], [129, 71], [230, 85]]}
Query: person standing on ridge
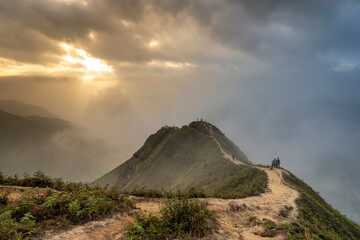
{"points": [[273, 163], [278, 162]]}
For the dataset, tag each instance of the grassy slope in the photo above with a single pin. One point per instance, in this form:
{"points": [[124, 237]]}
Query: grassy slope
{"points": [[185, 158], [227, 145], [121, 175], [323, 221]]}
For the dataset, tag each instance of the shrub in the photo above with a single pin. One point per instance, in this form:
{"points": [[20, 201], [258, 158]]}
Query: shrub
{"points": [[179, 218], [4, 199]]}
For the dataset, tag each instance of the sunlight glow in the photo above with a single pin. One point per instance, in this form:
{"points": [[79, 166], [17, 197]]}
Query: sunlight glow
{"points": [[91, 35], [79, 56], [167, 64], [125, 23], [82, 2], [153, 44]]}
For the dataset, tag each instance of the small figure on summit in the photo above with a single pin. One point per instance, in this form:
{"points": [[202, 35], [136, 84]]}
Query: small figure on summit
{"points": [[275, 163]]}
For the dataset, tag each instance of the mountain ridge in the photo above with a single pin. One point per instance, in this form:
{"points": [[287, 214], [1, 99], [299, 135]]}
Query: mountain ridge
{"points": [[24, 110], [53, 145], [187, 157]]}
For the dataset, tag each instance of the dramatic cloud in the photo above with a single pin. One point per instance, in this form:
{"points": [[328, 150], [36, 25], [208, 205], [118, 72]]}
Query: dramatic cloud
{"points": [[279, 77]]}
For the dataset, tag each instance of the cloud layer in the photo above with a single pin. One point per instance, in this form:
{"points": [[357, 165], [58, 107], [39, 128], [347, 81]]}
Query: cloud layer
{"points": [[279, 77]]}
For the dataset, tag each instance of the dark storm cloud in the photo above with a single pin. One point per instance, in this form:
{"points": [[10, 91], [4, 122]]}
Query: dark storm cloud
{"points": [[272, 31], [32, 28], [279, 30]]}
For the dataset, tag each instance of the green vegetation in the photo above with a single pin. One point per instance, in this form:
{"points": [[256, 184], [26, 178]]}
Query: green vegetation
{"points": [[317, 219], [233, 183], [179, 218], [284, 212], [154, 193], [35, 212], [187, 158]]}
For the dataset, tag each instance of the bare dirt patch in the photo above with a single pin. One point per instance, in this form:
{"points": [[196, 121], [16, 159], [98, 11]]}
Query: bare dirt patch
{"points": [[15, 192], [238, 217]]}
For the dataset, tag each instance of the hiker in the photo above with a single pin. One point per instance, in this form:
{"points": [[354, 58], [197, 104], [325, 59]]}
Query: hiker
{"points": [[278, 162], [273, 163]]}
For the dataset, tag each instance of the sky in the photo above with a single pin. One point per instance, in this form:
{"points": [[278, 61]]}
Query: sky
{"points": [[279, 78]]}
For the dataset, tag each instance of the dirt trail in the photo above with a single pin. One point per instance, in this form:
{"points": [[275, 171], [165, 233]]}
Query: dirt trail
{"points": [[226, 155], [234, 215]]}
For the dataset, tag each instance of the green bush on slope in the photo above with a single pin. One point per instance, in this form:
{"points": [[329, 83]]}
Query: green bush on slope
{"points": [[179, 218], [317, 217]]}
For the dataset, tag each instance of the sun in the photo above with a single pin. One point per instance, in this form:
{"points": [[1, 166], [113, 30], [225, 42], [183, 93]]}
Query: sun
{"points": [[79, 59]]}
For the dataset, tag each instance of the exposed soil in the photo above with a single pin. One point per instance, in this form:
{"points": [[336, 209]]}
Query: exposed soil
{"points": [[15, 192], [238, 217]]}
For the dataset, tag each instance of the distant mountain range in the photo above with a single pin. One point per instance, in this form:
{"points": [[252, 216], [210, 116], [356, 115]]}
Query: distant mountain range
{"points": [[32, 139], [24, 109]]}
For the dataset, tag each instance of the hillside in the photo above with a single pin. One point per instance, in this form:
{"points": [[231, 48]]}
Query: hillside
{"points": [[318, 218], [16, 129], [289, 209], [24, 109], [197, 156], [55, 146]]}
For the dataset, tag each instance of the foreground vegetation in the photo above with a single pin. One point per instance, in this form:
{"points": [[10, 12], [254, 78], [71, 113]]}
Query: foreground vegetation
{"points": [[180, 218], [37, 211], [317, 219]]}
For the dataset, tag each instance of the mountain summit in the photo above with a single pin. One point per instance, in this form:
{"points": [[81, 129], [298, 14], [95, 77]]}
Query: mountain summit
{"points": [[198, 155]]}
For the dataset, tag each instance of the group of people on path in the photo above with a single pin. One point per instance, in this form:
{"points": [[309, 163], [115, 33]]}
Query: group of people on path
{"points": [[275, 163]]}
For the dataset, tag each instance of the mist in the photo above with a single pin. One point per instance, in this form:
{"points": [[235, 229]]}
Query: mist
{"points": [[279, 78]]}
